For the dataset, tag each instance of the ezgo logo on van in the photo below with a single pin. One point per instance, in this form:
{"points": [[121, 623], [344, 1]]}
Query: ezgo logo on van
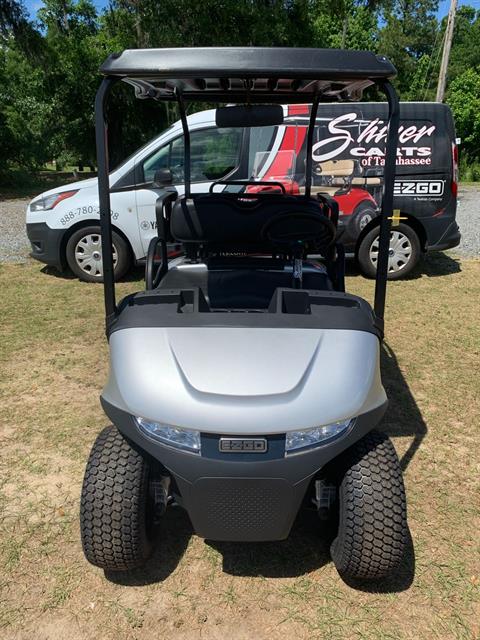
{"points": [[418, 187]]}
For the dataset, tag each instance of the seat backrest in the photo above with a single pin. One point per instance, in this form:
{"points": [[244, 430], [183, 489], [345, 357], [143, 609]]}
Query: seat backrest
{"points": [[233, 220], [336, 168]]}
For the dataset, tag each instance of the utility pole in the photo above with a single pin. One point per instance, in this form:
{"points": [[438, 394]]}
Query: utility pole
{"points": [[442, 77]]}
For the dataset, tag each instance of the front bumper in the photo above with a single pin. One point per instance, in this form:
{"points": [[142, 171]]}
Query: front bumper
{"points": [[46, 244], [245, 496]]}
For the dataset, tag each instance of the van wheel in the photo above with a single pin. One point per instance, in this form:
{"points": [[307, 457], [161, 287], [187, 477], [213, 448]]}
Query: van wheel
{"points": [[372, 513], [116, 517], [404, 252], [84, 254]]}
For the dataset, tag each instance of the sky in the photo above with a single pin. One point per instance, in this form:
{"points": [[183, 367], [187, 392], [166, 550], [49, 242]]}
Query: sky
{"points": [[444, 5], [33, 5]]}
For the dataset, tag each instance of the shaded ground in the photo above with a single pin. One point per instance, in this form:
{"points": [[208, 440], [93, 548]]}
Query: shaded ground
{"points": [[53, 362]]}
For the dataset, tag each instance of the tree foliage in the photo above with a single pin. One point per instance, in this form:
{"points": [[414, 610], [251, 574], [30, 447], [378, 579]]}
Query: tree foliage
{"points": [[464, 99], [48, 66]]}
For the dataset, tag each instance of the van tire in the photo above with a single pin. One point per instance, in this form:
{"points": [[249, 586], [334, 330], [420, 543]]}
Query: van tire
{"points": [[116, 521], [373, 533], [87, 241], [409, 251], [363, 214]]}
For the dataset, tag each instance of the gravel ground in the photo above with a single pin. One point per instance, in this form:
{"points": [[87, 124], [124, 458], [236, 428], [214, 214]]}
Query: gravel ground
{"points": [[468, 218], [14, 245]]}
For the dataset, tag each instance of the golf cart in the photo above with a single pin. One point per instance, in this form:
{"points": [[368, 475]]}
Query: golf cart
{"points": [[343, 180], [244, 381]]}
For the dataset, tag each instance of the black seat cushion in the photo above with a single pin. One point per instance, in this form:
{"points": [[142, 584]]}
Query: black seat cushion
{"points": [[242, 288], [233, 219]]}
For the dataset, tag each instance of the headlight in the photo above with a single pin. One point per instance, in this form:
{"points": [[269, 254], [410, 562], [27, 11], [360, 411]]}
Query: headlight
{"points": [[48, 202], [310, 437], [186, 439]]}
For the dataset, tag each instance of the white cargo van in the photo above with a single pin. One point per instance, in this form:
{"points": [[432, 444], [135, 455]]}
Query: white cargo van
{"points": [[63, 228]]}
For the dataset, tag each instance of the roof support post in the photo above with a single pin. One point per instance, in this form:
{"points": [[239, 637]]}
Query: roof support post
{"points": [[387, 201], [101, 135], [186, 144], [311, 130]]}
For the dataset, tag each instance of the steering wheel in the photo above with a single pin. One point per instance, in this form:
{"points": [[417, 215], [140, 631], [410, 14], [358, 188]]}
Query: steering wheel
{"points": [[295, 231]]}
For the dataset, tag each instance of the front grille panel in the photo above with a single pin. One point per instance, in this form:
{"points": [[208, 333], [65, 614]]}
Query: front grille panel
{"points": [[243, 509]]}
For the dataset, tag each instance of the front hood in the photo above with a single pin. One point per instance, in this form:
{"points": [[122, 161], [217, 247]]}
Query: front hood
{"points": [[248, 362], [80, 184], [244, 380]]}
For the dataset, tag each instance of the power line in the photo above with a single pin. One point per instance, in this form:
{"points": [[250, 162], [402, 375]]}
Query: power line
{"points": [[429, 65], [442, 77], [434, 64]]}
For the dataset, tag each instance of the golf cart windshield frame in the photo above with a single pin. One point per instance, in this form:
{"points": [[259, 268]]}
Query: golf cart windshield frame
{"points": [[250, 75]]}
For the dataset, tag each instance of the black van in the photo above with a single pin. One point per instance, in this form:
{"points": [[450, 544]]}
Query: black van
{"points": [[348, 158]]}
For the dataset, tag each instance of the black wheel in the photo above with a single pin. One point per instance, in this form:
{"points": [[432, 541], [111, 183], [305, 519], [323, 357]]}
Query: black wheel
{"points": [[84, 254], [372, 513], [364, 213], [404, 252], [116, 520]]}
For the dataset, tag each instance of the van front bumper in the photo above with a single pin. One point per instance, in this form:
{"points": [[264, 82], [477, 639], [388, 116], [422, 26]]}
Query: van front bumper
{"points": [[46, 244], [242, 496]]}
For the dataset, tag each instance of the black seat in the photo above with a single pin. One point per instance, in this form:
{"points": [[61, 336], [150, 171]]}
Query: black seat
{"points": [[229, 223], [233, 221]]}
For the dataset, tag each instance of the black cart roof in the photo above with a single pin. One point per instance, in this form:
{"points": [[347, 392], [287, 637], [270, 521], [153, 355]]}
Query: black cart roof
{"points": [[234, 74]]}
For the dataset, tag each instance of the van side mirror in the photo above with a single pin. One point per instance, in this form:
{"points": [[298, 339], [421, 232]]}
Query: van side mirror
{"points": [[162, 178]]}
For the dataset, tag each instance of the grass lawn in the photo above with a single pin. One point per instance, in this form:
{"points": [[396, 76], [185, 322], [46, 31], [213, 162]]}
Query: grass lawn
{"points": [[53, 363]]}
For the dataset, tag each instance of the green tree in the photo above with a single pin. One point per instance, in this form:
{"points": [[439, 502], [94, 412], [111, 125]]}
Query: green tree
{"points": [[408, 34], [175, 23], [465, 51], [7, 139], [212, 22], [14, 23], [27, 111], [23, 112], [348, 24], [71, 75], [49, 68], [464, 100]]}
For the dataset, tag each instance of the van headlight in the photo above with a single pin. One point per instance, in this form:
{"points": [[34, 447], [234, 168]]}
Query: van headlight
{"points": [[49, 202], [306, 438], [186, 439]]}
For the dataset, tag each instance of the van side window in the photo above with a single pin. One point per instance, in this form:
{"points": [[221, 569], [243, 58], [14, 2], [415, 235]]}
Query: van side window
{"points": [[158, 160], [214, 154]]}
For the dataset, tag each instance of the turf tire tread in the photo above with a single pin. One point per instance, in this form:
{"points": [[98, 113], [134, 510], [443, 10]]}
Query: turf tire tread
{"points": [[372, 530], [113, 516]]}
